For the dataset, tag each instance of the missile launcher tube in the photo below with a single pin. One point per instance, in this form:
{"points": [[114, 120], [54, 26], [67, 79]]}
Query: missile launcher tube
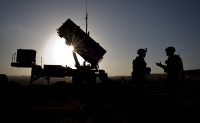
{"points": [[83, 44]]}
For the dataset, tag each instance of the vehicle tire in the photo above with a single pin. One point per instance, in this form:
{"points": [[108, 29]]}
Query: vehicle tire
{"points": [[77, 79], [91, 79]]}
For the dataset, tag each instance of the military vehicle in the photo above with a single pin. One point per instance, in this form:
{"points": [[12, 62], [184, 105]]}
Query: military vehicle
{"points": [[83, 45]]}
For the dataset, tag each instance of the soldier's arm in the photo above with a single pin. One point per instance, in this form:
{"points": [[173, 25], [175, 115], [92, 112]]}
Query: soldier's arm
{"points": [[161, 65]]}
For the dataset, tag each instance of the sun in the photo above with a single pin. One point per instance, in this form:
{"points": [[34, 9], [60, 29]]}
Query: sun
{"points": [[70, 48], [61, 53]]}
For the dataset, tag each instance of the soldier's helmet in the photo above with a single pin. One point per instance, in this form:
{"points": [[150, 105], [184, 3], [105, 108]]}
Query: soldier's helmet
{"points": [[142, 51], [170, 49]]}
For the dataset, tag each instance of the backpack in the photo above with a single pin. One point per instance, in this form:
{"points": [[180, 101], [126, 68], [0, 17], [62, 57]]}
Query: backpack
{"points": [[179, 63]]}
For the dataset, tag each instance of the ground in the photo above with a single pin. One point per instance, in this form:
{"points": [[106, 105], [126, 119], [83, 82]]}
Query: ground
{"points": [[113, 101]]}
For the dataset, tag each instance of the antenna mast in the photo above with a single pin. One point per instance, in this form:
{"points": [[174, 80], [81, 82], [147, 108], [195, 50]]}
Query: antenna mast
{"points": [[86, 18]]}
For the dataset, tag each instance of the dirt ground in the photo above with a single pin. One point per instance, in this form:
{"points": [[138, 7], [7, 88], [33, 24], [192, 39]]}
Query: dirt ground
{"points": [[105, 102]]}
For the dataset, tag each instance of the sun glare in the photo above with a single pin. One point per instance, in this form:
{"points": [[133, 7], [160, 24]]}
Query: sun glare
{"points": [[71, 48], [61, 53]]}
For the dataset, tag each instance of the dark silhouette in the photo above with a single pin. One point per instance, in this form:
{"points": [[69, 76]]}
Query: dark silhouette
{"points": [[138, 74], [173, 68], [83, 44], [3, 79]]}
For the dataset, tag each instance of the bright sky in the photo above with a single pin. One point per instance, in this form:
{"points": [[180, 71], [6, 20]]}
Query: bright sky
{"points": [[120, 26]]}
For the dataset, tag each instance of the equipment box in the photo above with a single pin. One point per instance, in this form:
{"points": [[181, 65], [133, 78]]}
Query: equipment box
{"points": [[26, 56]]}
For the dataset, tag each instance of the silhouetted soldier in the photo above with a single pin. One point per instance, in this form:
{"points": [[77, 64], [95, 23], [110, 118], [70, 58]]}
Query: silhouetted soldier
{"points": [[138, 74], [173, 68]]}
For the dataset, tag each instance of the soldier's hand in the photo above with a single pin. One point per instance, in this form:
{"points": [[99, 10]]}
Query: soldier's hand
{"points": [[159, 64]]}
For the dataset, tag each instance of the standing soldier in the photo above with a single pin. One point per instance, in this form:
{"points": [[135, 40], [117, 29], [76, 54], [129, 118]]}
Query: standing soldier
{"points": [[138, 74], [173, 68]]}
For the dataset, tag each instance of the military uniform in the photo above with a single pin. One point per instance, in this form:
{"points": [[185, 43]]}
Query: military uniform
{"points": [[139, 67], [173, 68], [138, 75]]}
